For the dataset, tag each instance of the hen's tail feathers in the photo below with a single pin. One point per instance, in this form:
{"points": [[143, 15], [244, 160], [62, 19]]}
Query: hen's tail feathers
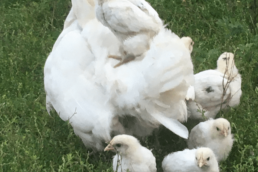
{"points": [[172, 124]]}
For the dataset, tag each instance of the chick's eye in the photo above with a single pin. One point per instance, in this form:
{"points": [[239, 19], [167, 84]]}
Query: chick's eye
{"points": [[217, 128], [225, 58], [228, 128], [196, 158], [208, 158], [118, 145]]}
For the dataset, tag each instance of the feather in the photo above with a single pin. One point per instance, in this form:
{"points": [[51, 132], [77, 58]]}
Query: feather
{"points": [[172, 124]]}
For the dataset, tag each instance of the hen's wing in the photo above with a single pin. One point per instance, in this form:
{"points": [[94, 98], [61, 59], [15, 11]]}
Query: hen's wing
{"points": [[157, 85], [72, 93], [69, 86]]}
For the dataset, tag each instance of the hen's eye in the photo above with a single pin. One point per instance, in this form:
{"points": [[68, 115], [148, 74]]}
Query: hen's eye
{"points": [[118, 145], [217, 128], [208, 158]]}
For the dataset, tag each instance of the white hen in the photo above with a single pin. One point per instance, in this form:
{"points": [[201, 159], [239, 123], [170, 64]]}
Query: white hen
{"points": [[216, 89], [85, 89], [194, 160], [215, 134], [131, 155], [134, 22]]}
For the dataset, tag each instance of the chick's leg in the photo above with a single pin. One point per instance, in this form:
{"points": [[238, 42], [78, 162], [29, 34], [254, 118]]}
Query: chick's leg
{"points": [[127, 59], [122, 52], [115, 57], [134, 47]]}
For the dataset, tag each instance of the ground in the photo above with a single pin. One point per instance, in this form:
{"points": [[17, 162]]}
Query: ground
{"points": [[31, 140]]}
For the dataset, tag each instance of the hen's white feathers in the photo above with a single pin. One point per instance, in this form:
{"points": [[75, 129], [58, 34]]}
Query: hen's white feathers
{"points": [[84, 88], [194, 160], [131, 155], [215, 134]]}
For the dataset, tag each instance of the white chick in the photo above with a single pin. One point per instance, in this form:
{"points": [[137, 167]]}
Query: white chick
{"points": [[188, 43], [131, 155], [194, 160], [215, 134], [216, 89], [134, 22]]}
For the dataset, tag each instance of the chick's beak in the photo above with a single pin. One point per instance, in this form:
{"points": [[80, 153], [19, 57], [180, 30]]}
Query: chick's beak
{"points": [[200, 164], [225, 133], [109, 147]]}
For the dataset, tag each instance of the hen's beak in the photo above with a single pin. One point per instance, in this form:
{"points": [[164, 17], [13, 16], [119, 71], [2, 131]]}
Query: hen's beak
{"points": [[109, 147]]}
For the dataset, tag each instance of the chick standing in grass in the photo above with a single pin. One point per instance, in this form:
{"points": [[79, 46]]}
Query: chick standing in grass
{"points": [[216, 89], [195, 160], [215, 134], [131, 155], [188, 43], [134, 22]]}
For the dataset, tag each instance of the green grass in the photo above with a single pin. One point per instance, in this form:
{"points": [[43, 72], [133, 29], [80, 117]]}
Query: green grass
{"points": [[31, 140]]}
